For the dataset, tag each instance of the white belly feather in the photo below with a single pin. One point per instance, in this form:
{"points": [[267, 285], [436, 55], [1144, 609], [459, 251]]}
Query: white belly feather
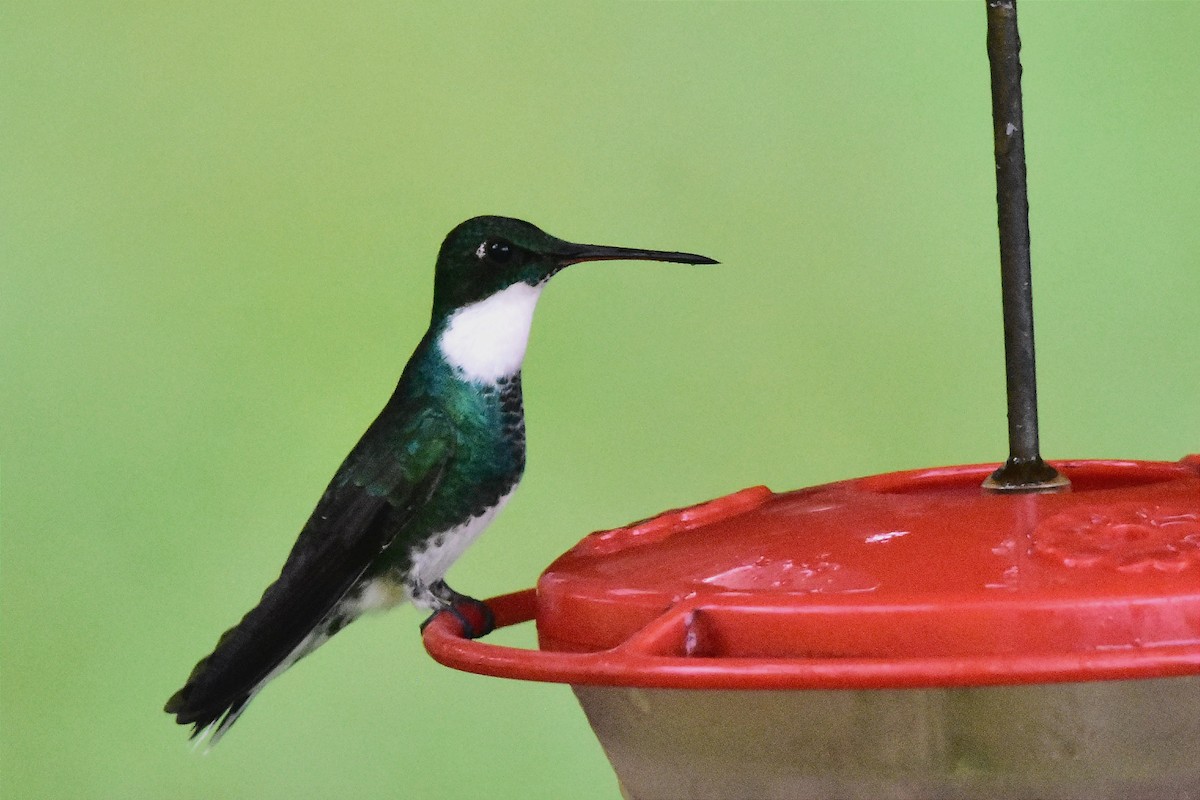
{"points": [[430, 564]]}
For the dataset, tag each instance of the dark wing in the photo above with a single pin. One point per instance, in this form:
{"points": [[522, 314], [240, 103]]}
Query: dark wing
{"points": [[388, 476]]}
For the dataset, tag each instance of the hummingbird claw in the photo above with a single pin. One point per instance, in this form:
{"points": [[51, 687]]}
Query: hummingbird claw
{"points": [[475, 617]]}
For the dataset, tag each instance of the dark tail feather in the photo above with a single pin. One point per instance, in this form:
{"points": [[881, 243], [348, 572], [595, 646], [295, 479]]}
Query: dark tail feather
{"points": [[209, 726], [268, 640], [297, 612], [201, 702]]}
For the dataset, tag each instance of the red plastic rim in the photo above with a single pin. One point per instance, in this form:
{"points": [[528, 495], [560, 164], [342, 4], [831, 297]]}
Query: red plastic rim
{"points": [[622, 666], [1110, 588]]}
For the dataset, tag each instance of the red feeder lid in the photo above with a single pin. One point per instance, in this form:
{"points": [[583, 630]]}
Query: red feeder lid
{"points": [[901, 580]]}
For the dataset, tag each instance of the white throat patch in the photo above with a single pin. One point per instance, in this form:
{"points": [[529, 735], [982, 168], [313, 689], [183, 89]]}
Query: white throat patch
{"points": [[487, 340]]}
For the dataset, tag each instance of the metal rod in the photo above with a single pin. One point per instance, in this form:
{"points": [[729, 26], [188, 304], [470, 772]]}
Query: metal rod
{"points": [[1024, 471]]}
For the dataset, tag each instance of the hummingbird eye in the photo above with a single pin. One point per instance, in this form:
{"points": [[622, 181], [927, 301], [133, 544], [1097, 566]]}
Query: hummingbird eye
{"points": [[497, 251]]}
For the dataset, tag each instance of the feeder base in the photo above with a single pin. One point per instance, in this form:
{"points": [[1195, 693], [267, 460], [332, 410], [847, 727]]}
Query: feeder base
{"points": [[1105, 740]]}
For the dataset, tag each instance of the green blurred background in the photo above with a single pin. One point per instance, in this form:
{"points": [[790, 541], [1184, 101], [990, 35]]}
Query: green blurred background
{"points": [[217, 235]]}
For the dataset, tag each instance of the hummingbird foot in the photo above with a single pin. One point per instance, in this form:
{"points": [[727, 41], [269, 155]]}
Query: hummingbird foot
{"points": [[475, 617]]}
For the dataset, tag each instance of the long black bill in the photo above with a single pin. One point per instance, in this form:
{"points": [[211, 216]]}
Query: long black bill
{"points": [[576, 253]]}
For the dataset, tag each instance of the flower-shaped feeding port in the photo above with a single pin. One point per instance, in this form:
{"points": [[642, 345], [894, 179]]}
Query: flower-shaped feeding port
{"points": [[1129, 537]]}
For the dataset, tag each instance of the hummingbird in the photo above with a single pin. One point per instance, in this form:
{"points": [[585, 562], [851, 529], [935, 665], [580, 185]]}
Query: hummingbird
{"points": [[432, 471]]}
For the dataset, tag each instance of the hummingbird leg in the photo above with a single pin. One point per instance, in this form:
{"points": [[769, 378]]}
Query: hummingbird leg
{"points": [[475, 616]]}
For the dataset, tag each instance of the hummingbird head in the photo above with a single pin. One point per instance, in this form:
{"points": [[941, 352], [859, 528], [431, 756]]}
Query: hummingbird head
{"points": [[490, 272], [486, 255]]}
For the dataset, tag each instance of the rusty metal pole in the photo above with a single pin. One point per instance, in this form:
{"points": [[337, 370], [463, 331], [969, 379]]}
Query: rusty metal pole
{"points": [[1024, 471]]}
